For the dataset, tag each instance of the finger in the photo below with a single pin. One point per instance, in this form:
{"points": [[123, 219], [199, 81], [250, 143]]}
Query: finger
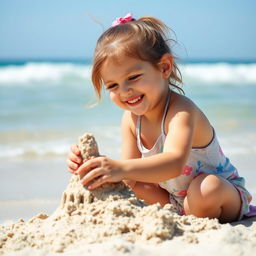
{"points": [[75, 149], [73, 166], [92, 175], [75, 158], [93, 157], [98, 182], [88, 166]]}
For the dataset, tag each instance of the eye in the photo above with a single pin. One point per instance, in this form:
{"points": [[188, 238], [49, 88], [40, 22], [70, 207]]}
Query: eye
{"points": [[112, 86], [131, 78]]}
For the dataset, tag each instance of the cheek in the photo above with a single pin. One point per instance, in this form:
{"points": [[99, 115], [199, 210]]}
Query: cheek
{"points": [[114, 98]]}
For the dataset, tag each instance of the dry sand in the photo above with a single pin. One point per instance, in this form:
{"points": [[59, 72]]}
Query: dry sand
{"points": [[112, 221]]}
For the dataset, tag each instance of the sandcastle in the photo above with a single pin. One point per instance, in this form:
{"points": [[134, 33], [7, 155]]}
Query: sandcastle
{"points": [[76, 197]]}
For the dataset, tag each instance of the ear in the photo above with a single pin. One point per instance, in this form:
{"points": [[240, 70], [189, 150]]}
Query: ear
{"points": [[166, 65]]}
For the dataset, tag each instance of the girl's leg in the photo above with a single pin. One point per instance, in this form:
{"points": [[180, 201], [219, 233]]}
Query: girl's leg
{"points": [[214, 197], [151, 193]]}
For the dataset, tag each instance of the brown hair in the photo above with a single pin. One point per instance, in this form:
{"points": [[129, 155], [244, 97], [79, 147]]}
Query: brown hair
{"points": [[145, 39]]}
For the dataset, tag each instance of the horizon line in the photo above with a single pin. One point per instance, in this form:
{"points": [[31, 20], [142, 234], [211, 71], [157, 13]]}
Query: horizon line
{"points": [[89, 59]]}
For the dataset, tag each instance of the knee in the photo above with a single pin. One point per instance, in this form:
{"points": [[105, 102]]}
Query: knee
{"points": [[202, 192], [209, 186]]}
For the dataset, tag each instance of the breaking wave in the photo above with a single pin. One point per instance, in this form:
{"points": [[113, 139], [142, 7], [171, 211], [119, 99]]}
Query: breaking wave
{"points": [[32, 73]]}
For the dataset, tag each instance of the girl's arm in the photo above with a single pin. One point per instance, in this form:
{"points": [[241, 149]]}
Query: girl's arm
{"points": [[170, 163]]}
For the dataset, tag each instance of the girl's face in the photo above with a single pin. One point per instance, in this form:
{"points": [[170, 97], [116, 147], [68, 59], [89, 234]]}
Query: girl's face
{"points": [[135, 85]]}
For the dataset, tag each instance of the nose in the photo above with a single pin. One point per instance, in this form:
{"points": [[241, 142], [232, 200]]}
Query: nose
{"points": [[125, 91]]}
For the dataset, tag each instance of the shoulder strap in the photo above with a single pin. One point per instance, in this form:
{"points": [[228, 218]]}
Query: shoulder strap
{"points": [[138, 133], [165, 112]]}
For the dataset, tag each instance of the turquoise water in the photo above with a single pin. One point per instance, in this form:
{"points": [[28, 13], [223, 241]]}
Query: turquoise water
{"points": [[44, 105]]}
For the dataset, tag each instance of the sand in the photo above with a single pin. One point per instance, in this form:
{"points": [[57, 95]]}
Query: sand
{"points": [[110, 220]]}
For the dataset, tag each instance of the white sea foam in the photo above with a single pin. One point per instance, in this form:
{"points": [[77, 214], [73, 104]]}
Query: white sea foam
{"points": [[233, 145], [53, 73], [47, 149], [110, 144], [27, 144], [59, 73], [220, 73], [35, 149]]}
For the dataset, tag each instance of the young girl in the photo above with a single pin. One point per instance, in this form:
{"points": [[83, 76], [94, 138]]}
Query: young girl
{"points": [[170, 152]]}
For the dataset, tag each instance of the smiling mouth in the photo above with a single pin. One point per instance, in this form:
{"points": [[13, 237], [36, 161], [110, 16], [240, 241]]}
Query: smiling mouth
{"points": [[135, 101]]}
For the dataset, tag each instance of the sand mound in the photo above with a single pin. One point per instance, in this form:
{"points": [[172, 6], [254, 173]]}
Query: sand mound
{"points": [[88, 217]]}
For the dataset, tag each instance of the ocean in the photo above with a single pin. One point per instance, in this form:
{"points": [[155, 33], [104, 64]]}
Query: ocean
{"points": [[45, 105]]}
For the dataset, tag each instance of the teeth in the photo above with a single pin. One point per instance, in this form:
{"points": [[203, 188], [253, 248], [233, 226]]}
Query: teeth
{"points": [[135, 100]]}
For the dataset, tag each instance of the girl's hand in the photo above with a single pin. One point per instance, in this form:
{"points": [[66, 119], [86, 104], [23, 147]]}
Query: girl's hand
{"points": [[100, 170], [74, 159]]}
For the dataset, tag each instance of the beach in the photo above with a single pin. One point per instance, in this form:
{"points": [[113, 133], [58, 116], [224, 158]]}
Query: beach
{"points": [[111, 220], [44, 108], [192, 236]]}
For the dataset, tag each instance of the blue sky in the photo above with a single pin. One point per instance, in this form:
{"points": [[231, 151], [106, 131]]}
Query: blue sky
{"points": [[65, 29]]}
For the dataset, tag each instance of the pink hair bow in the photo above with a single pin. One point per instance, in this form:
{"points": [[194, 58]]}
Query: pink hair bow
{"points": [[123, 20]]}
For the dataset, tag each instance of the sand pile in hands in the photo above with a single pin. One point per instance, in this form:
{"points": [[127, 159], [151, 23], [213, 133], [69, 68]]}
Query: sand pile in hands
{"points": [[87, 217]]}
